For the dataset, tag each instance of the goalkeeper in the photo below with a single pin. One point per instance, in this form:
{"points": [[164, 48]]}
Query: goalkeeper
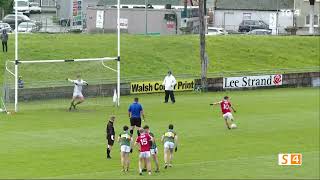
{"points": [[77, 92]]}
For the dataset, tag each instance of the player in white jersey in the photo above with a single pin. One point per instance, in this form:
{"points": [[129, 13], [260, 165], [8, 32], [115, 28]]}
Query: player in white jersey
{"points": [[77, 92]]}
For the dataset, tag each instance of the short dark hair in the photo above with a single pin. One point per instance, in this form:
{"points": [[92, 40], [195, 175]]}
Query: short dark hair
{"points": [[226, 97], [146, 127], [170, 126], [125, 128], [136, 99]]}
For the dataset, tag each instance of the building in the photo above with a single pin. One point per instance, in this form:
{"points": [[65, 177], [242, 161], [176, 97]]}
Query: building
{"points": [[159, 21], [45, 3], [165, 17], [230, 13], [73, 10], [302, 16], [142, 2]]}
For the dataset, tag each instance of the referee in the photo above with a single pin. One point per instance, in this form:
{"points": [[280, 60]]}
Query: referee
{"points": [[110, 135], [135, 112]]}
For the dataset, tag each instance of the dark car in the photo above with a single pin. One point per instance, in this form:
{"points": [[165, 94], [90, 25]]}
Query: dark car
{"points": [[249, 25], [10, 19]]}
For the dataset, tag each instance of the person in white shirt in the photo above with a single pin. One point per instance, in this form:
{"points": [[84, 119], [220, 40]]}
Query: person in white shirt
{"points": [[169, 82], [77, 91]]}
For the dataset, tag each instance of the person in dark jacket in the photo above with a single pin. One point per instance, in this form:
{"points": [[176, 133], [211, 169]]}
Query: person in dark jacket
{"points": [[4, 38], [110, 135]]}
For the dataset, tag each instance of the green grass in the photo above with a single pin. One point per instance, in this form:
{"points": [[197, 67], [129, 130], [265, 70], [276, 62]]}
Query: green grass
{"points": [[144, 56], [46, 141]]}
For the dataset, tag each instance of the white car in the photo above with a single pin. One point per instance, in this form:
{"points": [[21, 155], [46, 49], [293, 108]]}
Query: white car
{"points": [[34, 7], [260, 32], [213, 31], [27, 27], [23, 6], [5, 26]]}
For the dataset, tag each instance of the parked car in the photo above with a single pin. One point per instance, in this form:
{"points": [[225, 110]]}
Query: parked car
{"points": [[212, 31], [260, 32], [34, 7], [27, 27], [5, 26], [23, 6], [10, 19], [249, 25], [64, 22]]}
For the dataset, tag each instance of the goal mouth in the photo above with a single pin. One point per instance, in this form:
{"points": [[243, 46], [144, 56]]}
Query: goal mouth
{"points": [[17, 62], [43, 80]]}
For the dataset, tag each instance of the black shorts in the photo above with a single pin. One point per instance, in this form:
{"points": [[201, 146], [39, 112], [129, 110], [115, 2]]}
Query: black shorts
{"points": [[110, 141], [135, 122]]}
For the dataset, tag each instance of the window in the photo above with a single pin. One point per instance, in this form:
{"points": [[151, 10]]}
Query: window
{"points": [[22, 3], [315, 20], [246, 16]]}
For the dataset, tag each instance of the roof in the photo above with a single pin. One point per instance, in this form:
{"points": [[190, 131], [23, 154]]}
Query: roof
{"points": [[140, 2], [261, 5]]}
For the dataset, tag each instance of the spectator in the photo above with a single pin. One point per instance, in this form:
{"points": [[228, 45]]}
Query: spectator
{"points": [[20, 82], [169, 82], [4, 38]]}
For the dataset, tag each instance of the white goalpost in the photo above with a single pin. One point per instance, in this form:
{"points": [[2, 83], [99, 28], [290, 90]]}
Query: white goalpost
{"points": [[17, 62]]}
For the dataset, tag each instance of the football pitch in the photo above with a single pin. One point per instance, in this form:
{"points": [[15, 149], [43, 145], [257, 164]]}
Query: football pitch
{"points": [[44, 140]]}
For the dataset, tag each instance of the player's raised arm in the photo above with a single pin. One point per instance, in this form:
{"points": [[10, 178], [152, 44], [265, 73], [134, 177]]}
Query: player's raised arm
{"points": [[70, 80], [85, 83]]}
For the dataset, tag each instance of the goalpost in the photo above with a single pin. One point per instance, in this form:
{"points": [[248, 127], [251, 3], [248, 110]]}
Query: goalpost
{"points": [[17, 62]]}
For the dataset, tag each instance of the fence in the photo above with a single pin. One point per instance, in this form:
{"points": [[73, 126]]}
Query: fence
{"points": [[291, 78], [125, 79], [49, 23]]}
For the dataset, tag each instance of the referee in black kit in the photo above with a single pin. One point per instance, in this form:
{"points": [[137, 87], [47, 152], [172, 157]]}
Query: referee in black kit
{"points": [[110, 135]]}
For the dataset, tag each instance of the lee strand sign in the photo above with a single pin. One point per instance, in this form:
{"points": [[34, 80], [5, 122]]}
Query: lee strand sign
{"points": [[252, 81]]}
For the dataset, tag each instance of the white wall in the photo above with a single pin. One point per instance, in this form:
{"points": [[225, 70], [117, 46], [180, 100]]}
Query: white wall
{"points": [[230, 19]]}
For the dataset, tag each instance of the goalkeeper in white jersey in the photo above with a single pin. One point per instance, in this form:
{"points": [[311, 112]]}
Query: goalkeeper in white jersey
{"points": [[77, 92]]}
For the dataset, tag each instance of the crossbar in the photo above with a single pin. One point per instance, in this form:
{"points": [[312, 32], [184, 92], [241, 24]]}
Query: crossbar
{"points": [[67, 60]]}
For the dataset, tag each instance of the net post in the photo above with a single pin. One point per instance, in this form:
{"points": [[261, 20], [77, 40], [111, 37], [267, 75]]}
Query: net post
{"points": [[118, 63], [16, 60]]}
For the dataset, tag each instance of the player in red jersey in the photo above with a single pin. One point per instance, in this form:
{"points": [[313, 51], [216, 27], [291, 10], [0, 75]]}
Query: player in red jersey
{"points": [[226, 107], [144, 140]]}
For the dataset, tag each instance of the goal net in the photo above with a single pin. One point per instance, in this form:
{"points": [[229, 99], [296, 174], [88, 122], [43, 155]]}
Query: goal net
{"points": [[43, 84]]}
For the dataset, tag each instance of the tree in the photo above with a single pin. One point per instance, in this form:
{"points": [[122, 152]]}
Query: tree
{"points": [[203, 57], [311, 28], [6, 6]]}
